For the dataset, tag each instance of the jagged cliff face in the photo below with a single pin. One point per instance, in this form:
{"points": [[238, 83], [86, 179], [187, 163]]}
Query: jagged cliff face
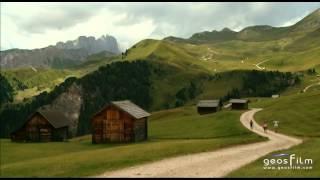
{"points": [[62, 55], [69, 103], [92, 45]]}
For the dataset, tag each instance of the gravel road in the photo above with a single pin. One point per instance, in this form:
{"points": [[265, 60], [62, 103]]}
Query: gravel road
{"points": [[212, 164]]}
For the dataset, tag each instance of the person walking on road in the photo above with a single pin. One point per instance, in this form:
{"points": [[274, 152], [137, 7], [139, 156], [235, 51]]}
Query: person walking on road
{"points": [[276, 125], [251, 124], [265, 126]]}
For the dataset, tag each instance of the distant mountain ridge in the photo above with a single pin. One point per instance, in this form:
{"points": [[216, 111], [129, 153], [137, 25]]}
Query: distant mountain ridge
{"points": [[256, 33], [61, 55]]}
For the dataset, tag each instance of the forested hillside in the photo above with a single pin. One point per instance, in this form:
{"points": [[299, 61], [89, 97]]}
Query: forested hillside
{"points": [[145, 83]]}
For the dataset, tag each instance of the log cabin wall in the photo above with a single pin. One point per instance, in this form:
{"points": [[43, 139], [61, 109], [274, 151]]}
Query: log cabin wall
{"points": [[38, 129], [114, 130], [207, 110], [239, 106], [128, 126], [115, 125]]}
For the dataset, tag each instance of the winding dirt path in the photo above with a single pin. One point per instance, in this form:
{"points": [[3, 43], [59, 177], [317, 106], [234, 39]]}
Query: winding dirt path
{"points": [[212, 164], [258, 65], [311, 85]]}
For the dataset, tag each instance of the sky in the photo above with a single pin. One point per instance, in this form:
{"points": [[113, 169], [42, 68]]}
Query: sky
{"points": [[36, 25]]}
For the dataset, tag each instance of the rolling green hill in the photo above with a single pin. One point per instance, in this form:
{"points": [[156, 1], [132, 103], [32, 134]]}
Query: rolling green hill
{"points": [[283, 54], [29, 81], [185, 123], [293, 48], [257, 33], [297, 114], [286, 48], [153, 85]]}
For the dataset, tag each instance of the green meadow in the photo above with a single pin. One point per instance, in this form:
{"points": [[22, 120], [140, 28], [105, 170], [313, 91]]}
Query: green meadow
{"points": [[173, 132]]}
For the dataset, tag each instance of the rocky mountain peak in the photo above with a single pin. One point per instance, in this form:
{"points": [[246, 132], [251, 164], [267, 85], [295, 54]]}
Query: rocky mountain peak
{"points": [[91, 44]]}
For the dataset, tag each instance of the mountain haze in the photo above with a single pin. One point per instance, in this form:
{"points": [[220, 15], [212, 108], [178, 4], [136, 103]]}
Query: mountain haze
{"points": [[62, 55]]}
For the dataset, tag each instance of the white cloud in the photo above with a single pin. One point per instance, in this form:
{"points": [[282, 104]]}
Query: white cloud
{"points": [[294, 20], [36, 25], [103, 22]]}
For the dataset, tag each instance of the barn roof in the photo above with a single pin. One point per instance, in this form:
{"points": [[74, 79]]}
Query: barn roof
{"points": [[238, 101], [56, 118], [208, 103], [131, 108]]}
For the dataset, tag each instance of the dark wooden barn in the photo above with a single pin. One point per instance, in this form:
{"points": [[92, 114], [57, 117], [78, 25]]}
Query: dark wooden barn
{"points": [[120, 121], [43, 126], [208, 106], [239, 103]]}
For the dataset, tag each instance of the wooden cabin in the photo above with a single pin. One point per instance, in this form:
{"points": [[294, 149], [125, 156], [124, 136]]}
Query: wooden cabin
{"points": [[208, 106], [120, 121], [239, 103], [43, 126]]}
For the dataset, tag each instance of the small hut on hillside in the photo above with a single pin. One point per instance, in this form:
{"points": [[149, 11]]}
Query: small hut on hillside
{"points": [[120, 121], [208, 106], [43, 126], [275, 96], [239, 103]]}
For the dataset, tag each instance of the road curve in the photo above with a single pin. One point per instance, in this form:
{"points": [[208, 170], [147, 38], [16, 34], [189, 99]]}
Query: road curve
{"points": [[258, 65], [212, 164], [311, 85]]}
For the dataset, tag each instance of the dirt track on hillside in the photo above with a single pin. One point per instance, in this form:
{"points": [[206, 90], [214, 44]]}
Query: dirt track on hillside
{"points": [[258, 65], [311, 85], [212, 164]]}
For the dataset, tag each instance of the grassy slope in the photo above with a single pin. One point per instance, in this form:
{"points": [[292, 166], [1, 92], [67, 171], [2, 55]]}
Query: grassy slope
{"points": [[32, 78], [298, 115], [166, 84], [180, 64], [80, 158], [185, 123], [286, 54], [306, 80], [225, 56], [35, 81], [45, 79], [191, 60]]}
